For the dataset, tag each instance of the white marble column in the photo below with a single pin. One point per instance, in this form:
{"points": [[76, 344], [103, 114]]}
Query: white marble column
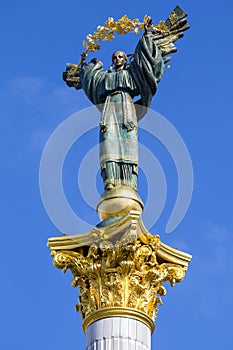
{"points": [[118, 333]]}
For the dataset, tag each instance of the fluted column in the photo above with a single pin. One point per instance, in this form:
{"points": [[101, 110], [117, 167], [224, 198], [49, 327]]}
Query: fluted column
{"points": [[118, 333]]}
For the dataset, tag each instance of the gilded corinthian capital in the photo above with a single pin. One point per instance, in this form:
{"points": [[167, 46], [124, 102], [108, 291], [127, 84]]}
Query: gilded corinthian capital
{"points": [[121, 277]]}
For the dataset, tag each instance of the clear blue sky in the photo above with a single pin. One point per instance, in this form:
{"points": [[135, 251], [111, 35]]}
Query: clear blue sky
{"points": [[37, 39]]}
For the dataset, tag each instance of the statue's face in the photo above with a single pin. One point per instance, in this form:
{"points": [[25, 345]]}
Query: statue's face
{"points": [[119, 59]]}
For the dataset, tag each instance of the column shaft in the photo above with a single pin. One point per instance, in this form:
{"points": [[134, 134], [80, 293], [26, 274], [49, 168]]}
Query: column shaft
{"points": [[118, 333]]}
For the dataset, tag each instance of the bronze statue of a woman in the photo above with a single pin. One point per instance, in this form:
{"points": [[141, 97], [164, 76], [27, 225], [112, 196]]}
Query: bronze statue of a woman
{"points": [[113, 91]]}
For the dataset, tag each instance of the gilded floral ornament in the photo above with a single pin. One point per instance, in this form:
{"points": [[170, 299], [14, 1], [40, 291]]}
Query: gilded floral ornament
{"points": [[123, 277], [123, 25]]}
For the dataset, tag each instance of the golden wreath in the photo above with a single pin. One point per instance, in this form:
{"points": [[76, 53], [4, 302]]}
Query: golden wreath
{"points": [[165, 33], [124, 25]]}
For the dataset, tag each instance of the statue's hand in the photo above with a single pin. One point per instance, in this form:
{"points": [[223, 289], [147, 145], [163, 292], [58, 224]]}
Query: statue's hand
{"points": [[147, 26]]}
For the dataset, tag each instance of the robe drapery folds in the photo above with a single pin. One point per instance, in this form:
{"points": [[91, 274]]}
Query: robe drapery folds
{"points": [[113, 92]]}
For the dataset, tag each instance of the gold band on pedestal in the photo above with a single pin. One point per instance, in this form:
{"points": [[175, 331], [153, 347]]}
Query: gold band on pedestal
{"points": [[119, 312]]}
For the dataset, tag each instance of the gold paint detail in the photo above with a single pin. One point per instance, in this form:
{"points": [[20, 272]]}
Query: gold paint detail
{"points": [[121, 277], [118, 312]]}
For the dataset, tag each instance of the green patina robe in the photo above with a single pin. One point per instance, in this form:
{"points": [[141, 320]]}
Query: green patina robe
{"points": [[113, 93]]}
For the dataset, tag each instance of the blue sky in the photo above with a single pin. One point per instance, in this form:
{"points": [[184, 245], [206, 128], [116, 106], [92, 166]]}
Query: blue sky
{"points": [[195, 95]]}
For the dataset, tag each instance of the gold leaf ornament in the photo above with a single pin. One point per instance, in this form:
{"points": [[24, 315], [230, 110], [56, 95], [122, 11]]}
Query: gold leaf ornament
{"points": [[123, 25]]}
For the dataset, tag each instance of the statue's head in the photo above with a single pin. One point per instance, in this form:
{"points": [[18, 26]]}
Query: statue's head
{"points": [[119, 60]]}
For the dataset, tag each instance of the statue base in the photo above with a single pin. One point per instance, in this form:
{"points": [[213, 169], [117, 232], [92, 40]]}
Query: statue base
{"points": [[118, 202]]}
